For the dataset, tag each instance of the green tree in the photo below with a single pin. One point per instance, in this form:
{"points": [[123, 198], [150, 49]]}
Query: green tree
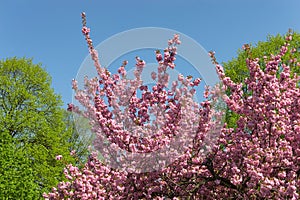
{"points": [[32, 129], [237, 69], [17, 179], [81, 136]]}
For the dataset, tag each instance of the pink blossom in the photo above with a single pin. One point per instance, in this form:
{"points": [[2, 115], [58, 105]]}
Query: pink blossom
{"points": [[85, 30], [158, 56], [58, 157], [258, 159], [70, 107], [180, 77], [73, 152]]}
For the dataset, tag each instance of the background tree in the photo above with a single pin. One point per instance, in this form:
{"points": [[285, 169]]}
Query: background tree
{"points": [[32, 129], [237, 68], [81, 136], [17, 179]]}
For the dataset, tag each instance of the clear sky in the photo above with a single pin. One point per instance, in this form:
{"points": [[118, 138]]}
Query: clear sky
{"points": [[50, 31]]}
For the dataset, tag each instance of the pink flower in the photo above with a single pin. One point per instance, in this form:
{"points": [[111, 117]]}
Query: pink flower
{"points": [[140, 62], [46, 196], [73, 152], [74, 84], [180, 77], [158, 56], [85, 30], [246, 47], [171, 65], [211, 53], [197, 81], [58, 157], [69, 177], [70, 107], [176, 39], [289, 38]]}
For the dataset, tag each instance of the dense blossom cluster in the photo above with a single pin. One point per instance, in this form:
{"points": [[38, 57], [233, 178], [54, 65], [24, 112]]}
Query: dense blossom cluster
{"points": [[261, 156], [260, 159]]}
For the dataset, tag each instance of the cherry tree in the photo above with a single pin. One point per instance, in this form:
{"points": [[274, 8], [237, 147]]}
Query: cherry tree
{"points": [[260, 159]]}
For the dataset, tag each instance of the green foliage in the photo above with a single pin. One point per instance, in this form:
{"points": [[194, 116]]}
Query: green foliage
{"points": [[81, 135], [237, 69], [17, 179], [32, 129]]}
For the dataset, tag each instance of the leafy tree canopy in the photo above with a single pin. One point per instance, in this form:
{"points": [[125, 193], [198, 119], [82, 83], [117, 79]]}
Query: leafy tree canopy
{"points": [[32, 131]]}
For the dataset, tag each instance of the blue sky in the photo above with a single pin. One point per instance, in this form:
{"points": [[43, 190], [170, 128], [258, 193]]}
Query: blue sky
{"points": [[50, 31]]}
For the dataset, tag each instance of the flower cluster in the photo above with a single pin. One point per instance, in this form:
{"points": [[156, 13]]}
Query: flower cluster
{"points": [[257, 160], [262, 153]]}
